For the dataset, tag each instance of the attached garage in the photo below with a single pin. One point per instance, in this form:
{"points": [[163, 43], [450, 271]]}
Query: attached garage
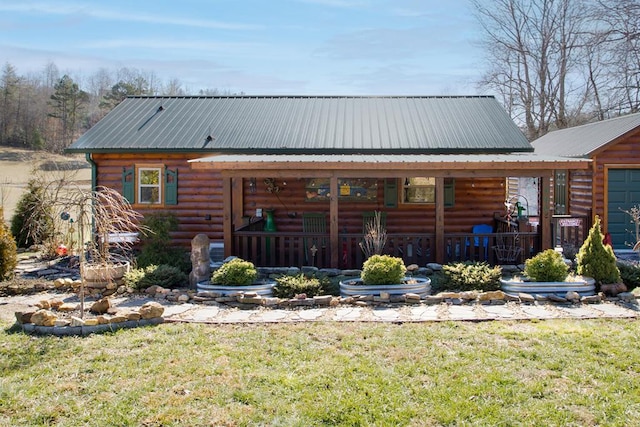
{"points": [[611, 185], [623, 193]]}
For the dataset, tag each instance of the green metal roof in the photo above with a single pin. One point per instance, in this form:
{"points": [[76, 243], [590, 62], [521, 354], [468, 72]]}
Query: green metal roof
{"points": [[306, 125], [582, 141]]}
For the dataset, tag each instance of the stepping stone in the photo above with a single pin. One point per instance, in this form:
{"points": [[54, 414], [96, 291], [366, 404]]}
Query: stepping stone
{"points": [[577, 311], [498, 312], [386, 315], [424, 313], [614, 310], [271, 316], [538, 312], [236, 316], [348, 314], [462, 312], [311, 314]]}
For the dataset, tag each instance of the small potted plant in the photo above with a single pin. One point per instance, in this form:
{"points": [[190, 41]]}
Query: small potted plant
{"points": [[235, 275], [384, 273], [546, 274]]}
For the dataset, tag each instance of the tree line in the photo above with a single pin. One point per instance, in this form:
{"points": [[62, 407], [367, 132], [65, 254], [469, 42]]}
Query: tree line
{"points": [[49, 110], [560, 63]]}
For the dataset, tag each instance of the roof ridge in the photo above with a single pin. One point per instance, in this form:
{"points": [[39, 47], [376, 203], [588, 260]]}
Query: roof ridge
{"points": [[313, 96]]}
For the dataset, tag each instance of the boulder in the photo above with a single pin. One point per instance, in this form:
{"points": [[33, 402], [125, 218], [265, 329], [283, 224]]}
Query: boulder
{"points": [[23, 317], [101, 306], [150, 310], [43, 318]]}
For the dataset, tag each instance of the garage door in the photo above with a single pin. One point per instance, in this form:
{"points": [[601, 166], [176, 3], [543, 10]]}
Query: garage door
{"points": [[624, 193]]}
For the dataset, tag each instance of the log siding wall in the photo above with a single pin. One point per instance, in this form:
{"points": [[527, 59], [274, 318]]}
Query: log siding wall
{"points": [[200, 197]]}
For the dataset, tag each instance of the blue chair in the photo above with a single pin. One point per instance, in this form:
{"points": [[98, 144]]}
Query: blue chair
{"points": [[482, 229]]}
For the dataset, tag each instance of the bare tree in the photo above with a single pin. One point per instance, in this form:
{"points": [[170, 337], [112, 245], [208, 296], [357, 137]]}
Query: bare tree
{"points": [[532, 47]]}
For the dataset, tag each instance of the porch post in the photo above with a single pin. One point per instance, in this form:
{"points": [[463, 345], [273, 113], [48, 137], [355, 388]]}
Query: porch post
{"points": [[440, 220], [227, 212], [333, 221], [545, 211]]}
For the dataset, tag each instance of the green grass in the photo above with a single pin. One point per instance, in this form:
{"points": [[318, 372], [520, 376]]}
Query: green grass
{"points": [[562, 373]]}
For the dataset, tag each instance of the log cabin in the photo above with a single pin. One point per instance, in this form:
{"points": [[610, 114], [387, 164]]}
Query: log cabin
{"points": [[292, 180], [611, 184]]}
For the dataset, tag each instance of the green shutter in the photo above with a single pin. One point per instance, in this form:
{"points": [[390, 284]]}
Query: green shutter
{"points": [[449, 192], [128, 184], [390, 193], [170, 187]]}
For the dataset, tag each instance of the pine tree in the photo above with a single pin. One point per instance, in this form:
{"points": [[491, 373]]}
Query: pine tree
{"points": [[597, 260]]}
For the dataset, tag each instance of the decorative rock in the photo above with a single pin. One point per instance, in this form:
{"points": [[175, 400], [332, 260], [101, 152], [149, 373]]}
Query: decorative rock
{"points": [[43, 304], [491, 295], [448, 295], [613, 289], [469, 295], [209, 294], [91, 322], [412, 268], [59, 283], [76, 321], [627, 296], [271, 301], [23, 317], [433, 299], [258, 300], [101, 306], [385, 295], [309, 269], [591, 299], [539, 297], [512, 298], [556, 298], [61, 323], [300, 296], [103, 320], [150, 310], [524, 297], [411, 297], [43, 317], [55, 303], [118, 319], [572, 296], [322, 299], [183, 298], [67, 307], [131, 315], [152, 290], [351, 273], [335, 301], [330, 272], [434, 266]]}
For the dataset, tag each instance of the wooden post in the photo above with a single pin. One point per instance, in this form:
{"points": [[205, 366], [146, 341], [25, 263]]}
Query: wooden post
{"points": [[545, 213], [333, 222], [227, 212], [440, 249]]}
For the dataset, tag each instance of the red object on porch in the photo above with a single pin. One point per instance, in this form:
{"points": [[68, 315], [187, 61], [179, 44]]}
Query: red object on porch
{"points": [[607, 240]]}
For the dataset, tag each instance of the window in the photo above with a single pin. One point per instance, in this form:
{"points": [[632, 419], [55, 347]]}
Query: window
{"points": [[150, 185], [149, 189], [419, 190]]}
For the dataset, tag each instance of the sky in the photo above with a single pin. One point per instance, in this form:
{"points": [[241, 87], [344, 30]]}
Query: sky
{"points": [[258, 47]]}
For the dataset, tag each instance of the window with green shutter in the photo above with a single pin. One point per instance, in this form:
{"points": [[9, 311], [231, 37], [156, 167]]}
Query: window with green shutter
{"points": [[150, 185]]}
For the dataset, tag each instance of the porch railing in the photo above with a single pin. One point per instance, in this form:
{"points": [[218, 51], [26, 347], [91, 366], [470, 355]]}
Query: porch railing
{"points": [[279, 249]]}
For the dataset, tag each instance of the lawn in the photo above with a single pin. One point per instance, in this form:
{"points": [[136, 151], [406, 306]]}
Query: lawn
{"points": [[564, 372]]}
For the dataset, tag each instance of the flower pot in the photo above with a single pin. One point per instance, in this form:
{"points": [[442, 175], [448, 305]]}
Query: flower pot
{"points": [[264, 289], [414, 285], [585, 286]]}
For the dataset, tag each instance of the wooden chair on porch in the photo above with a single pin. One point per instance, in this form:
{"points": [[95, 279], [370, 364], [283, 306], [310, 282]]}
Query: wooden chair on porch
{"points": [[314, 223]]}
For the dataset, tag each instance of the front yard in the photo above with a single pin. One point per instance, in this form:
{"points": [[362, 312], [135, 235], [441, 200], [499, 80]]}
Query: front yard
{"points": [[561, 372]]}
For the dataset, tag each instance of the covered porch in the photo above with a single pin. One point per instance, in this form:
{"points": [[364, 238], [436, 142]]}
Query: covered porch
{"points": [[439, 231]]}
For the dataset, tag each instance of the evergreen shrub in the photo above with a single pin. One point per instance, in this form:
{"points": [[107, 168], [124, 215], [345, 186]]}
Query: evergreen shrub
{"points": [[8, 251], [236, 272], [470, 275], [163, 275], [383, 270], [547, 266], [157, 247], [290, 286], [597, 260]]}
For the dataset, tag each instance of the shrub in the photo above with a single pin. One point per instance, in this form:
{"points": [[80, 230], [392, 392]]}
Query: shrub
{"points": [[383, 270], [32, 222], [467, 276], [630, 274], [290, 286], [163, 275], [156, 245], [597, 260], [8, 251], [547, 266], [236, 272]]}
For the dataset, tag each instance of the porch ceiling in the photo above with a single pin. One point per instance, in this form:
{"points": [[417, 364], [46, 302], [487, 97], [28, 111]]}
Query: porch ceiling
{"points": [[448, 165]]}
